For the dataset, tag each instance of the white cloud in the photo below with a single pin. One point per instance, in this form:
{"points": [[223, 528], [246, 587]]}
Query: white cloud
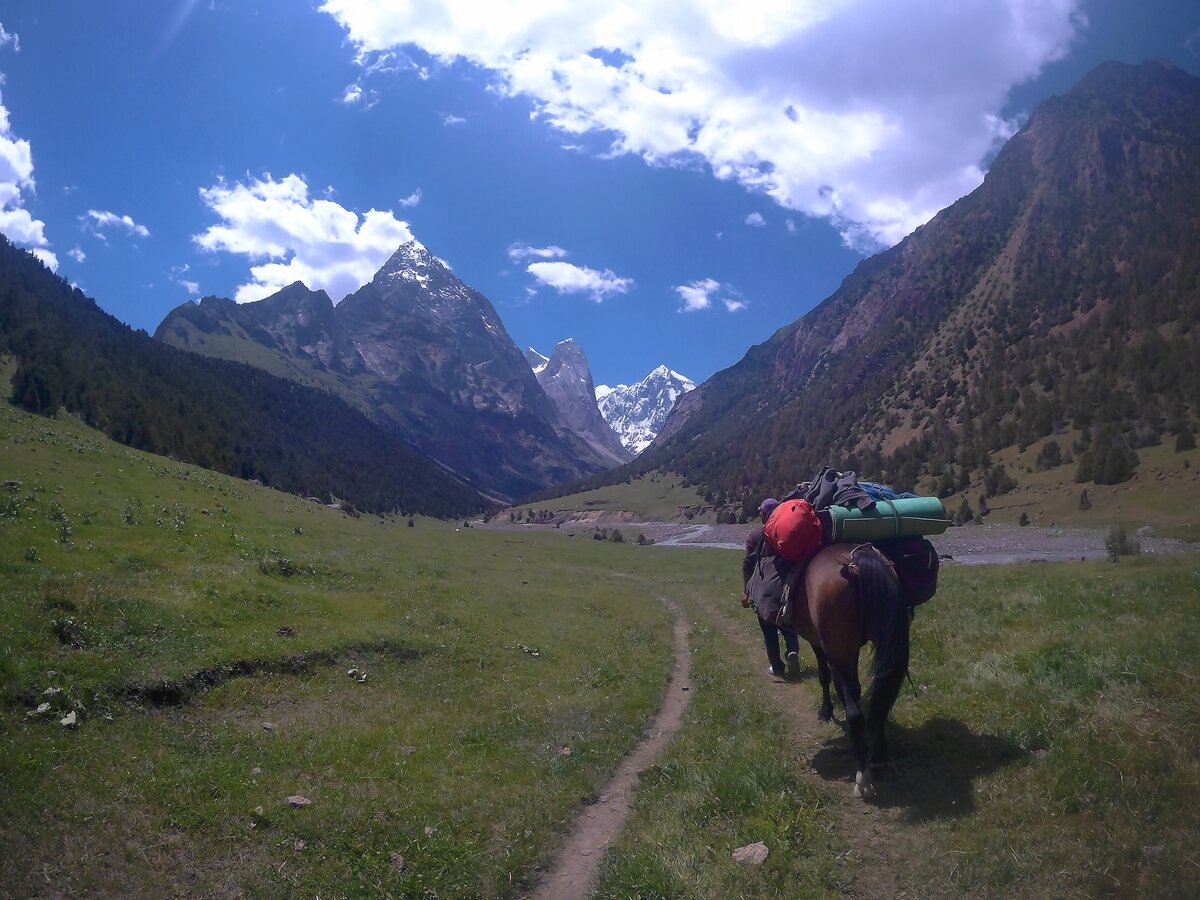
{"points": [[756, 220], [16, 178], [520, 252], [47, 257], [357, 95], [77, 254], [318, 242], [567, 278], [699, 295], [412, 199], [791, 226], [177, 273], [450, 120], [101, 219], [872, 113]]}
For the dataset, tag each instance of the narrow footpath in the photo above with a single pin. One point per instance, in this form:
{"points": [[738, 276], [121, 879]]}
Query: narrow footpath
{"points": [[573, 875]]}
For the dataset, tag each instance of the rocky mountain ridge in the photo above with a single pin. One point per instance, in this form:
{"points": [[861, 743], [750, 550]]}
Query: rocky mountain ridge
{"points": [[566, 378], [1054, 305], [418, 351]]}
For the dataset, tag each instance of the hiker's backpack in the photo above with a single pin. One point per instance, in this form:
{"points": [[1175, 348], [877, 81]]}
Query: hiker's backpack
{"points": [[916, 563], [793, 530]]}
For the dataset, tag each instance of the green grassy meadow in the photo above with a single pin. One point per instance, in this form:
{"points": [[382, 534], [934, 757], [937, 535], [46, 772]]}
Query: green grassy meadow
{"points": [[202, 631], [656, 497]]}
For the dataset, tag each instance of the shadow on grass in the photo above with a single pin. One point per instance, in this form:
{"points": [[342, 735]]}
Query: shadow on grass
{"points": [[934, 769]]}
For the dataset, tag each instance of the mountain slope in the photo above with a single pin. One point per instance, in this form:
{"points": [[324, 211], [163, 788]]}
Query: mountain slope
{"points": [[566, 378], [421, 353], [216, 414], [638, 412], [1061, 294]]}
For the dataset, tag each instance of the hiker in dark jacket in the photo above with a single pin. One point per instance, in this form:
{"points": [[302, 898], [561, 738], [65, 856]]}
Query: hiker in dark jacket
{"points": [[756, 547]]}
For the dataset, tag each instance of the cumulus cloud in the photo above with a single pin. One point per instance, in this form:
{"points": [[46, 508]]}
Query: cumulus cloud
{"points": [[697, 295], [412, 199], [521, 252], [318, 242], [16, 179], [100, 219], [450, 120], [756, 220], [568, 278], [871, 113], [700, 295], [77, 254], [49, 260]]}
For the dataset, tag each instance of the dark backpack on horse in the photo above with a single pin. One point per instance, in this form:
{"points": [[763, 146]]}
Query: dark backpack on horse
{"points": [[916, 562]]}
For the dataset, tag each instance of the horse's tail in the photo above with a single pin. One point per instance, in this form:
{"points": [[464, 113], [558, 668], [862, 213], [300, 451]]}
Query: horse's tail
{"points": [[888, 621]]}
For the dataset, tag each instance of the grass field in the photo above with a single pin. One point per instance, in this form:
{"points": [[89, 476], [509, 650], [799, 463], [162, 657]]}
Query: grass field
{"points": [[202, 631], [656, 497]]}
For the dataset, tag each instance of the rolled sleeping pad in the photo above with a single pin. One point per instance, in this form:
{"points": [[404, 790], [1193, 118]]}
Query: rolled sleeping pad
{"points": [[888, 519]]}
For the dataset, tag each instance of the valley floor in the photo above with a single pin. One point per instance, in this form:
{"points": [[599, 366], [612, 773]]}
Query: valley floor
{"points": [[967, 545]]}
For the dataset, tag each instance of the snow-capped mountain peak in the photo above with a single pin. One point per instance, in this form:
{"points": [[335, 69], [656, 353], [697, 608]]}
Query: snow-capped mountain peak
{"points": [[637, 412]]}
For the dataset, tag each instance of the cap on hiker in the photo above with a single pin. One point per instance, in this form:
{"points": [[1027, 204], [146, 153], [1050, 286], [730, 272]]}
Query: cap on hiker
{"points": [[764, 508]]}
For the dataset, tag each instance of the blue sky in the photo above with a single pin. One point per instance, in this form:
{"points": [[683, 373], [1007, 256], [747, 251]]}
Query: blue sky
{"points": [[664, 182]]}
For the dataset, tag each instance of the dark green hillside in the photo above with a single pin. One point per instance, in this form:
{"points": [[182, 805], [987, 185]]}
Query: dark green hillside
{"points": [[223, 416], [1059, 297]]}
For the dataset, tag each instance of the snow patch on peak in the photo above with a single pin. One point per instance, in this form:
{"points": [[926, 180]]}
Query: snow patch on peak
{"points": [[536, 361], [637, 412]]}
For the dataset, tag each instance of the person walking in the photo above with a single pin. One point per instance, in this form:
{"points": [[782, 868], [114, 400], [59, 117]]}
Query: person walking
{"points": [[763, 574]]}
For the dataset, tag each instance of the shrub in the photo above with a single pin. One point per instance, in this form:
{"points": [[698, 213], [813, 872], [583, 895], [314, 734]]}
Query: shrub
{"points": [[1120, 543]]}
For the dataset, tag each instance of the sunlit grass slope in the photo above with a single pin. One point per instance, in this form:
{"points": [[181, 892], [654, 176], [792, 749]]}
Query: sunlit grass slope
{"points": [[202, 630]]}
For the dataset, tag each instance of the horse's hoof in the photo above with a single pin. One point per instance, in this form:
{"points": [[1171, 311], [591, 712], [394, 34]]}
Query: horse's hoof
{"points": [[864, 789], [825, 715]]}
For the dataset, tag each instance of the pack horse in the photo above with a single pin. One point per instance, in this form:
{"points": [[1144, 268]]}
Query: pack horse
{"points": [[849, 595]]}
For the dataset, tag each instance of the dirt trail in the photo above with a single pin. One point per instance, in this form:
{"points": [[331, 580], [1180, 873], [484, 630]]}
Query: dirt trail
{"points": [[573, 875]]}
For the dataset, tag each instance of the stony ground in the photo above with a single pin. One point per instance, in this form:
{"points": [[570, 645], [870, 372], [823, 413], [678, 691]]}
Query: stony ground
{"points": [[968, 545]]}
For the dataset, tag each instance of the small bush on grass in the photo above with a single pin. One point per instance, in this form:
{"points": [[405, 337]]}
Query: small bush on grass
{"points": [[1120, 543]]}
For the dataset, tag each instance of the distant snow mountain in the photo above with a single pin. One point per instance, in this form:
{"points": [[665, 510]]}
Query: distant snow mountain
{"points": [[637, 412], [566, 378]]}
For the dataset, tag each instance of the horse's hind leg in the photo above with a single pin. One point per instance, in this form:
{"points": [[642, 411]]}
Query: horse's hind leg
{"points": [[850, 690], [825, 713]]}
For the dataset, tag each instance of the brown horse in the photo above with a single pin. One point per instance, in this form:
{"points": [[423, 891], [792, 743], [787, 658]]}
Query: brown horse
{"points": [[846, 596]]}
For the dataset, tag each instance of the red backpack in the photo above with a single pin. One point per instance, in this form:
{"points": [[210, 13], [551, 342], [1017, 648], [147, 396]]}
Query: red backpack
{"points": [[793, 530]]}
